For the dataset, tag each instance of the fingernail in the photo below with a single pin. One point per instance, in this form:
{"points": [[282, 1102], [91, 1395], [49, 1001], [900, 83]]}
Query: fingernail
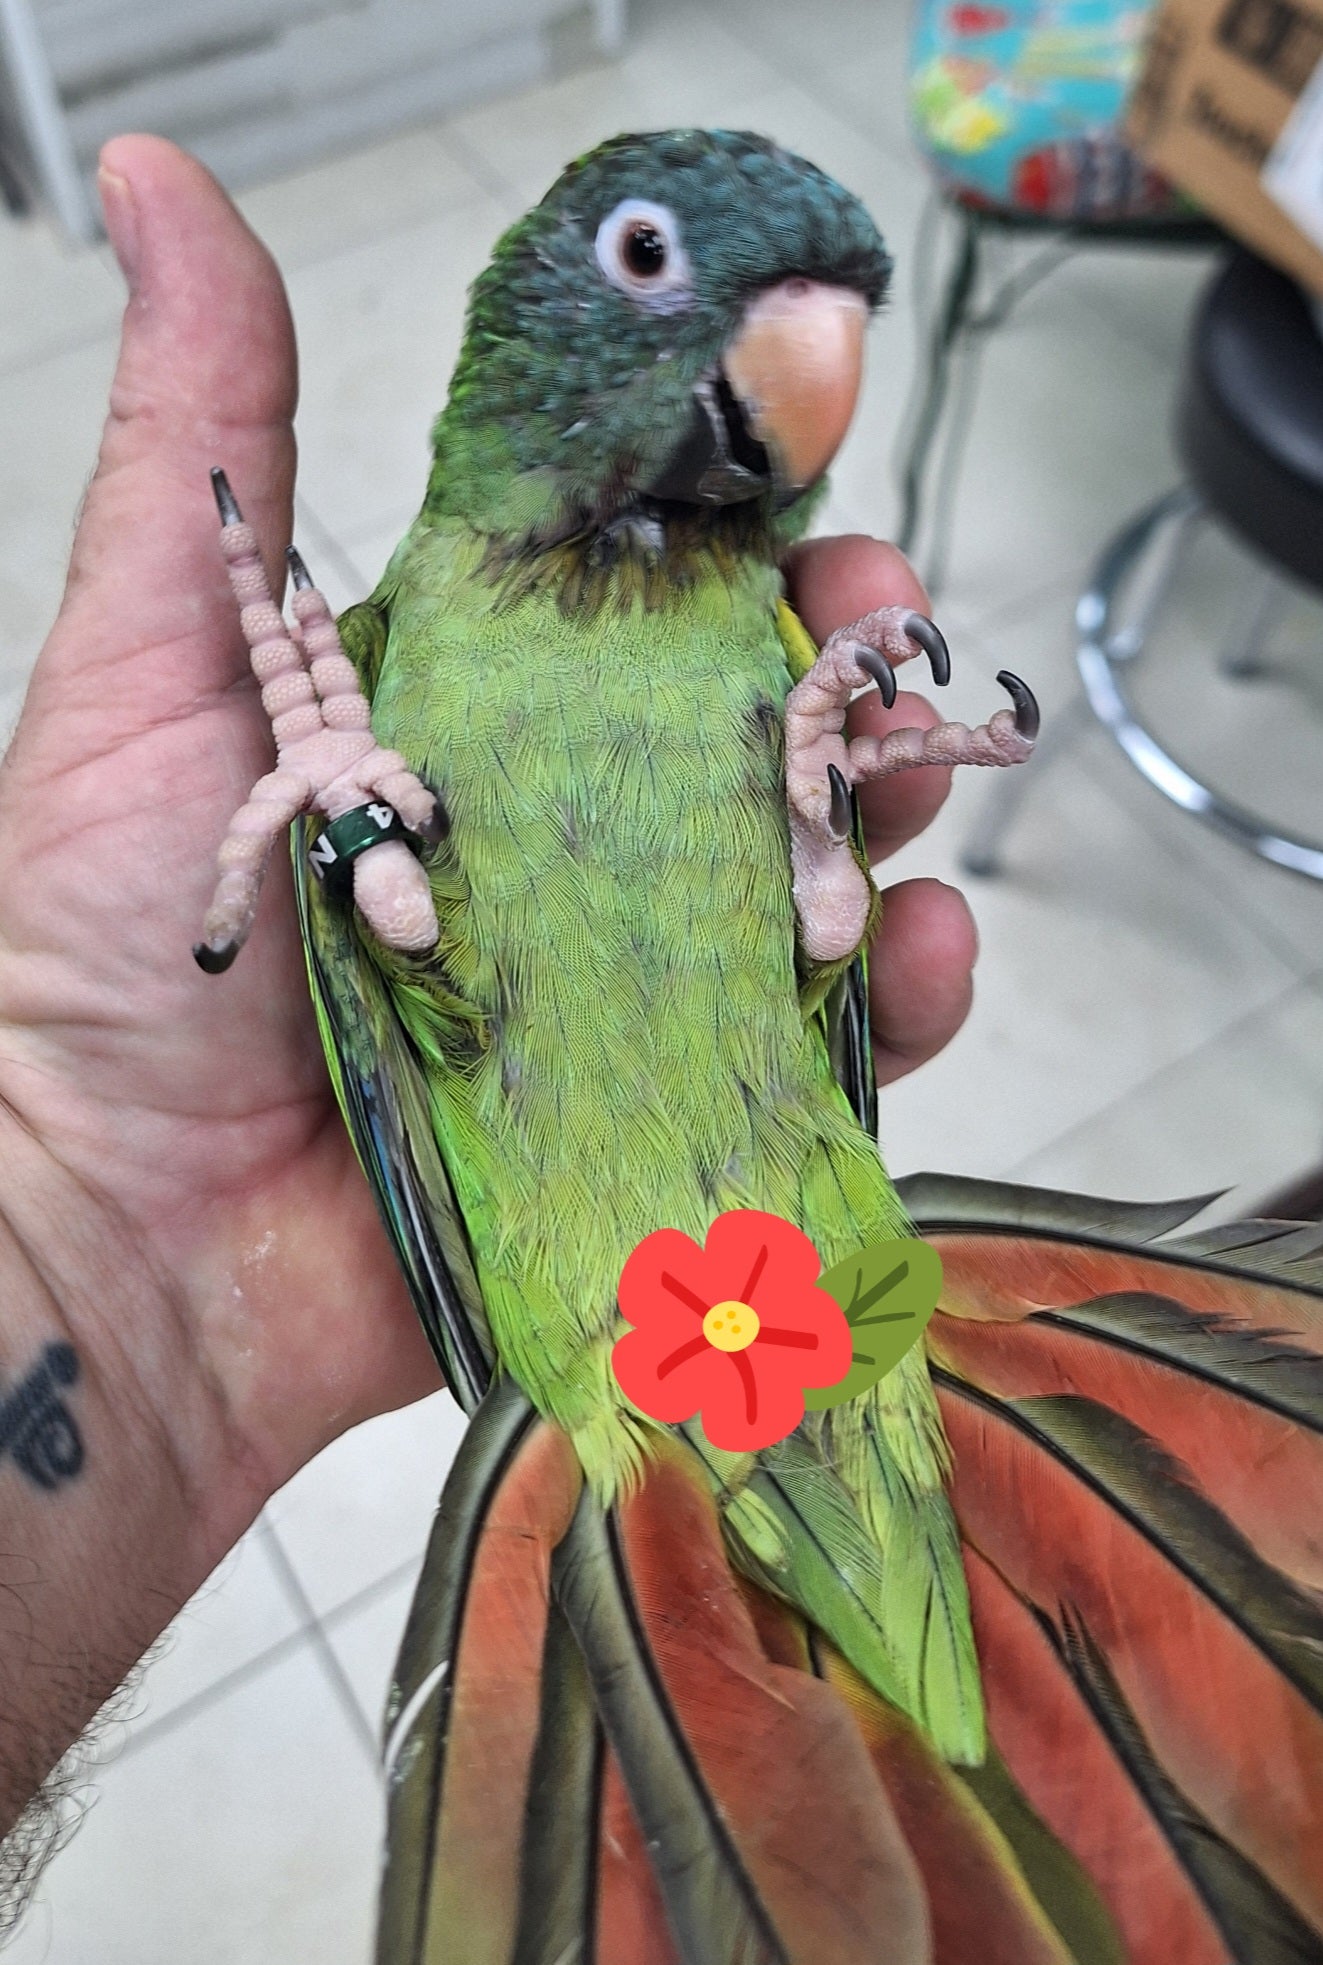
{"points": [[117, 202]]}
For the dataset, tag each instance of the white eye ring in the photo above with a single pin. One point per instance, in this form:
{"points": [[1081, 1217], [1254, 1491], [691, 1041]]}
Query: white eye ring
{"points": [[667, 288]]}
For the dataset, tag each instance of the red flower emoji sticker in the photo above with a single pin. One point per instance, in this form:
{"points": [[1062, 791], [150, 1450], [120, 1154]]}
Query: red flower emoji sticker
{"points": [[733, 1331]]}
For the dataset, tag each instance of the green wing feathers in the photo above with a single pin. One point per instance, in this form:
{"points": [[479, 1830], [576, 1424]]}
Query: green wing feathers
{"points": [[381, 1085]]}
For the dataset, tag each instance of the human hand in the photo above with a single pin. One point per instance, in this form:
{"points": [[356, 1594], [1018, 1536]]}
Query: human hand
{"points": [[179, 1190], [187, 1126]]}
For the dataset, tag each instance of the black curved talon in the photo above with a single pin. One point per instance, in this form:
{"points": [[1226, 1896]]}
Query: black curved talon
{"points": [[438, 826], [214, 961], [226, 502], [298, 571], [842, 811], [881, 671], [1027, 718], [933, 643]]}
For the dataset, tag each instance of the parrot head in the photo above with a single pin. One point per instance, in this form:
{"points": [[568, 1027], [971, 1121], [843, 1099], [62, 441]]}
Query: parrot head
{"points": [[678, 326]]}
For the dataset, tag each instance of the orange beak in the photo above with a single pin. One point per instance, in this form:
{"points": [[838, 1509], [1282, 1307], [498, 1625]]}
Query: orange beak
{"points": [[795, 368]]}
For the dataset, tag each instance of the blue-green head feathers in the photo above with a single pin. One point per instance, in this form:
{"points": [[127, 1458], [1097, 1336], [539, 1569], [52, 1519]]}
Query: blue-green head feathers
{"points": [[609, 304]]}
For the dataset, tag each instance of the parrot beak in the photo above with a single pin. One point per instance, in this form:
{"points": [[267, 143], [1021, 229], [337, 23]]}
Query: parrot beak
{"points": [[795, 368], [773, 414]]}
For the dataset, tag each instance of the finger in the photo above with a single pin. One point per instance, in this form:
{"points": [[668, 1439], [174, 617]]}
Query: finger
{"points": [[206, 375], [920, 974], [833, 582]]}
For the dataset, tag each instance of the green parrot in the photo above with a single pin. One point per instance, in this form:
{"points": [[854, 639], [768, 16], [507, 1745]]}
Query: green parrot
{"points": [[660, 1699]]}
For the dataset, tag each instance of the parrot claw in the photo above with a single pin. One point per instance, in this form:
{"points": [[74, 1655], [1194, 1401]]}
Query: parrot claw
{"points": [[841, 811], [226, 502], [327, 761], [436, 826], [933, 643], [833, 895], [631, 533], [214, 961], [1027, 718], [882, 673]]}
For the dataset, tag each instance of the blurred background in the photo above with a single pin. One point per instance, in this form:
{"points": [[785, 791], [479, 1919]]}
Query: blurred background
{"points": [[1149, 1010]]}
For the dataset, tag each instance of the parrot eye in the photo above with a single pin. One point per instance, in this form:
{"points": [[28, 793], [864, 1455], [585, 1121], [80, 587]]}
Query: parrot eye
{"points": [[644, 249], [639, 250]]}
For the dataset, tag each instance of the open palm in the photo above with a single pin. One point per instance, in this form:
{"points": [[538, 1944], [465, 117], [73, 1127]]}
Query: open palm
{"points": [[191, 1118]]}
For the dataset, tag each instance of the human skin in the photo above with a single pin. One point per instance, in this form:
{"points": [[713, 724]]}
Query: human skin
{"points": [[178, 1197]]}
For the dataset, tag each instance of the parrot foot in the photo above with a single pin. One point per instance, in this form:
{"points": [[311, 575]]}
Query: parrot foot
{"points": [[327, 761], [631, 533], [833, 894]]}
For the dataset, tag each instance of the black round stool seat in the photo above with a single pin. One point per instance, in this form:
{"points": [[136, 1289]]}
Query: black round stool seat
{"points": [[1249, 422]]}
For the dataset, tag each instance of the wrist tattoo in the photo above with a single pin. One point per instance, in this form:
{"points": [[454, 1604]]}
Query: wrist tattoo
{"points": [[36, 1425]]}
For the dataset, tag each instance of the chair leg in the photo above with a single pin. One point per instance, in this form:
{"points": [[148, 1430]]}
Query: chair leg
{"points": [[1103, 677], [948, 329], [609, 25], [981, 854], [1150, 581], [1242, 653]]}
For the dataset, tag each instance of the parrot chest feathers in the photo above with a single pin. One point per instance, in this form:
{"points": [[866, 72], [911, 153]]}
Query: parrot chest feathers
{"points": [[616, 910]]}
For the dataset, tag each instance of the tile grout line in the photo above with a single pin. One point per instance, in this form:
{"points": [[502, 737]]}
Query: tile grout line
{"points": [[1256, 918], [1297, 986], [330, 1660], [471, 159], [151, 1730], [144, 1733]]}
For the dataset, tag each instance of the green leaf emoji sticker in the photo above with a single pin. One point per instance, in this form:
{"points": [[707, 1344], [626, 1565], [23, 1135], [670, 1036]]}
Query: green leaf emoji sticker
{"points": [[888, 1292]]}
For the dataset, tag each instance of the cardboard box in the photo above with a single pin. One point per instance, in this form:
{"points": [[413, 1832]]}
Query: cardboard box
{"points": [[1229, 106]]}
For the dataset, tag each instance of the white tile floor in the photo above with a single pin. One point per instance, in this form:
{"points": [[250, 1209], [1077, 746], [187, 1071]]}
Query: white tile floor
{"points": [[1149, 1017]]}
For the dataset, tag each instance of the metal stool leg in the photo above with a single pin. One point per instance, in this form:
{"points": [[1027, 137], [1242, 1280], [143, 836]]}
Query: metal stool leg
{"points": [[948, 329], [1241, 656], [1150, 577], [1147, 583], [1102, 672], [981, 854]]}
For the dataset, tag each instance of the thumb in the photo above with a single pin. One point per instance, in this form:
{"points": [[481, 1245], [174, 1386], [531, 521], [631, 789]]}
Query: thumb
{"points": [[206, 375]]}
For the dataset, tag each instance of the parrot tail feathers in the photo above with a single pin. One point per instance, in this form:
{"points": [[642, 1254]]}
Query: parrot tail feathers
{"points": [[1137, 1433], [606, 1748], [465, 1709], [1001, 1887], [1176, 1886], [770, 1837], [592, 1759]]}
